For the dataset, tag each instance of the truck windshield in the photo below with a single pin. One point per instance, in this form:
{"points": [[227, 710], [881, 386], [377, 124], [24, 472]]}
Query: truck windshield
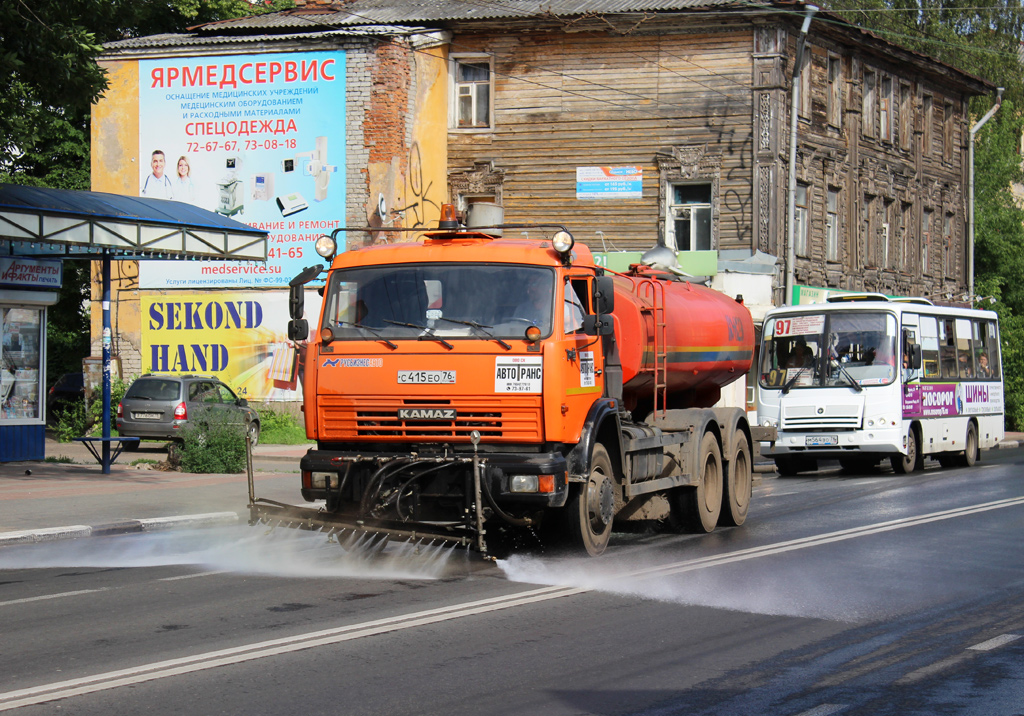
{"points": [[461, 301], [828, 349]]}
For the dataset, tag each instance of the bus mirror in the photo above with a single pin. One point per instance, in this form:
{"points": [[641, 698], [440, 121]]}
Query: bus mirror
{"points": [[295, 300], [604, 295], [298, 329], [915, 356]]}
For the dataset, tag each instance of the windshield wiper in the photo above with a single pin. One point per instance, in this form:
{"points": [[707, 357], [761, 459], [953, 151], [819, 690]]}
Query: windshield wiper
{"points": [[428, 332], [792, 381], [361, 327], [852, 381], [482, 328]]}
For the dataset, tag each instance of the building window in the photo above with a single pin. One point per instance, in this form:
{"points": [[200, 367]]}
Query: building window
{"points": [[805, 84], [835, 91], [885, 236], [689, 217], [928, 112], [885, 110], [947, 132], [867, 246], [472, 101], [926, 240], [800, 228], [832, 225], [869, 109], [947, 245], [905, 239], [905, 118]]}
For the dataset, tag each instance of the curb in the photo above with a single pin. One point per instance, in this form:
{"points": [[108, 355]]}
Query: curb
{"points": [[1005, 444], [150, 524]]}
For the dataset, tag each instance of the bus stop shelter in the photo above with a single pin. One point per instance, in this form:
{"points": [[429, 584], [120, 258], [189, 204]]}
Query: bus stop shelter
{"points": [[40, 225]]}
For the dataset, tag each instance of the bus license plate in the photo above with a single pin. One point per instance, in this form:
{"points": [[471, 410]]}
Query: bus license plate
{"points": [[813, 440]]}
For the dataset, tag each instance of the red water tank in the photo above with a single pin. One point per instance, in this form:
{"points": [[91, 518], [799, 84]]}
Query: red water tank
{"points": [[708, 338]]}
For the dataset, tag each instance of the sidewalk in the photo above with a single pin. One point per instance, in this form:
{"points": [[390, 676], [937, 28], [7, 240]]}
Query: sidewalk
{"points": [[43, 501]]}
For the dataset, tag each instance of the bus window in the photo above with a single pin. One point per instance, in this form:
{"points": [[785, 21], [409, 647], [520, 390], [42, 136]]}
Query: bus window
{"points": [[929, 348], [964, 348], [947, 348], [987, 350]]}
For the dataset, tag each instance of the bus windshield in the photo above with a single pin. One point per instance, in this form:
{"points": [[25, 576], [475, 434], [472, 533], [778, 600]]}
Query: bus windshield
{"points": [[814, 350]]}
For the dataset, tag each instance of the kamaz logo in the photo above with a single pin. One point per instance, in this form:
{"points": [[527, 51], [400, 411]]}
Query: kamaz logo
{"points": [[426, 413]]}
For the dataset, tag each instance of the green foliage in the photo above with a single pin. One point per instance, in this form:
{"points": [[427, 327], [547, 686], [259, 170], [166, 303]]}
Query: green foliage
{"points": [[60, 458], [71, 423], [117, 391], [280, 428], [216, 446]]}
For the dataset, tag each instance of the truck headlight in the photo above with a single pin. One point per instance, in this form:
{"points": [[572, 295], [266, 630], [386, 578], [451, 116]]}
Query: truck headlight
{"points": [[532, 483]]}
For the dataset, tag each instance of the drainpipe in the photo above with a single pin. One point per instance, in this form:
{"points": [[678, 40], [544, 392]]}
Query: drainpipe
{"points": [[970, 193], [794, 110]]}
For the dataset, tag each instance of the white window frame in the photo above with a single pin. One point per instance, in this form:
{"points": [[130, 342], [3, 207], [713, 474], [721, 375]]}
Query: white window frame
{"points": [[801, 225], [675, 211], [832, 224], [458, 89]]}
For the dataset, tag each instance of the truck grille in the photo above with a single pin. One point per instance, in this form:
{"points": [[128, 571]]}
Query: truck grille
{"points": [[512, 419]]}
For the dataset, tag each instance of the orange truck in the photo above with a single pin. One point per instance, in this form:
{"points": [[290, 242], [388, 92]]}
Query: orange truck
{"points": [[491, 391]]}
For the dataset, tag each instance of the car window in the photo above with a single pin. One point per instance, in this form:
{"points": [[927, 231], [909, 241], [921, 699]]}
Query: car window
{"points": [[154, 389], [195, 392], [226, 396]]}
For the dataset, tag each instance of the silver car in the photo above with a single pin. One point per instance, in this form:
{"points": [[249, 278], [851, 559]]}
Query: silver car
{"points": [[159, 407]]}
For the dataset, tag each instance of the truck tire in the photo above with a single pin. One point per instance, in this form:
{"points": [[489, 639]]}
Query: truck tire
{"points": [[702, 505], [738, 483], [592, 506]]}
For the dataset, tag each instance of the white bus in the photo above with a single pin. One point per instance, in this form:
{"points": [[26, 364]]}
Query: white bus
{"points": [[864, 377]]}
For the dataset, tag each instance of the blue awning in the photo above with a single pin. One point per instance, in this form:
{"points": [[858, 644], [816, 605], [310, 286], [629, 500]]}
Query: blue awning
{"points": [[36, 221]]}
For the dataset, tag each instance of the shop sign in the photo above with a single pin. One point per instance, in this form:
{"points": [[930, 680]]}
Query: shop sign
{"points": [[20, 272]]}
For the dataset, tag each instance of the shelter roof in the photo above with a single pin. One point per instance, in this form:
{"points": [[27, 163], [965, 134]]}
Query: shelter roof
{"points": [[36, 221]]}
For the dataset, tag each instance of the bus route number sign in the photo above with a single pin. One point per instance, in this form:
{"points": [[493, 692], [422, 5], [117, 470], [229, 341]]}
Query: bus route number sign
{"points": [[799, 326]]}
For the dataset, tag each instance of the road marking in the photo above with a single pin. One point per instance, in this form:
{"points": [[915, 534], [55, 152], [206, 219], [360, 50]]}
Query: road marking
{"points": [[823, 710], [26, 600], [994, 643], [275, 647], [192, 576]]}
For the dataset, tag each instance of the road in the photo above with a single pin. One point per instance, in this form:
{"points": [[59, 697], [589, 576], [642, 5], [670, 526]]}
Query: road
{"points": [[844, 594]]}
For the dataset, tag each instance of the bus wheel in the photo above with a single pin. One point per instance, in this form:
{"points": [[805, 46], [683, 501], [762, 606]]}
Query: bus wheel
{"points": [[970, 447], [904, 464], [592, 506], [702, 505], [738, 483]]}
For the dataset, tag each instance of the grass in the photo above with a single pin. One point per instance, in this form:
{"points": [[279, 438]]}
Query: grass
{"points": [[280, 428], [58, 458]]}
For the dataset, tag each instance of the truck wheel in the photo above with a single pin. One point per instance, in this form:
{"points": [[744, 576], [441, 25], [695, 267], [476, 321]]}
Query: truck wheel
{"points": [[702, 504], [904, 464], [970, 447], [787, 466], [738, 483], [592, 506]]}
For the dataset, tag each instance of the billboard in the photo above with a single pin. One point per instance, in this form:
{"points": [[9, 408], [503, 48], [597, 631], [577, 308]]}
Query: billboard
{"points": [[259, 138], [237, 336]]}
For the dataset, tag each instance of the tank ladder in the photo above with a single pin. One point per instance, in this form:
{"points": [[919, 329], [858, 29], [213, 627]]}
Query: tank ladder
{"points": [[653, 291]]}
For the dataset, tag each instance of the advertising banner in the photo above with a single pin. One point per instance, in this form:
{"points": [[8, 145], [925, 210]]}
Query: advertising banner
{"points": [[609, 182], [931, 400], [237, 336], [258, 138]]}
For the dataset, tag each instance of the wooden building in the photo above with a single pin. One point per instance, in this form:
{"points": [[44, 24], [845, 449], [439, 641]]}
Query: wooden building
{"points": [[697, 95]]}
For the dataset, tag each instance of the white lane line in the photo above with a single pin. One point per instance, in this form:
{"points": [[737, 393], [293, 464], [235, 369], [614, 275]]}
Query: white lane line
{"points": [[994, 643], [234, 655], [192, 576], [274, 647], [44, 597], [823, 710]]}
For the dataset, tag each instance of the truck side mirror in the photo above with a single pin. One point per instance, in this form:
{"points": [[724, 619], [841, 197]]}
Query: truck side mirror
{"points": [[295, 301], [598, 325], [604, 295], [298, 329]]}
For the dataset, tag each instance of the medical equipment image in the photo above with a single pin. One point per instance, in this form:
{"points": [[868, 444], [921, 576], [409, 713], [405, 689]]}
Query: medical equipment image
{"points": [[291, 204], [231, 188], [317, 167], [287, 165], [262, 186]]}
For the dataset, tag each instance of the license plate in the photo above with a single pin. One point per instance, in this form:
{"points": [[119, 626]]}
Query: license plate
{"points": [[432, 377], [146, 416], [812, 440]]}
